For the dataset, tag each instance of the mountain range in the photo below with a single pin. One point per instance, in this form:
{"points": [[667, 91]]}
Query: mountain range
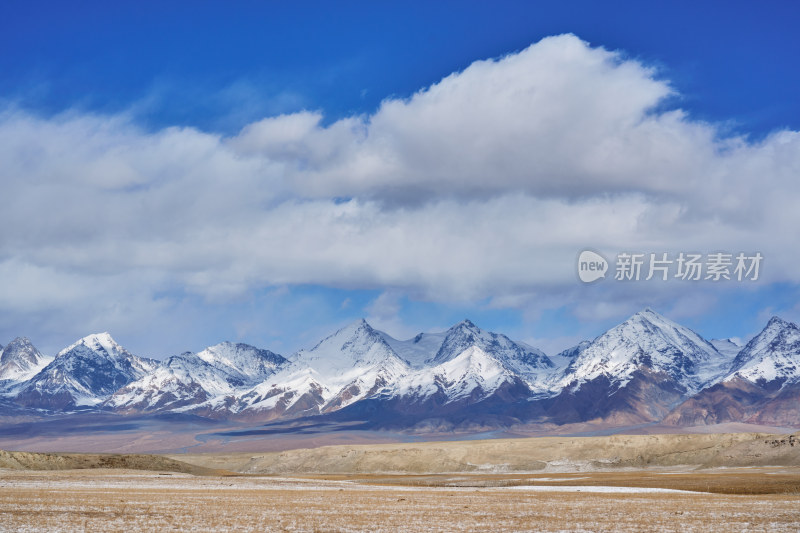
{"points": [[647, 369]]}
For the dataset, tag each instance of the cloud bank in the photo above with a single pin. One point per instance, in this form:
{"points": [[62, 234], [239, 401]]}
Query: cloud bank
{"points": [[482, 187]]}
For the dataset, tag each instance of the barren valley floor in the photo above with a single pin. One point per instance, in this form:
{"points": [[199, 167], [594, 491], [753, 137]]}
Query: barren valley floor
{"points": [[128, 500], [708, 482]]}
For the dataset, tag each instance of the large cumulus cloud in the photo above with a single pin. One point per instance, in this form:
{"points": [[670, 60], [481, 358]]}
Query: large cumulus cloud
{"points": [[481, 187]]}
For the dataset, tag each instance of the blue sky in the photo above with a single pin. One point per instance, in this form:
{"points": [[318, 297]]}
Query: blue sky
{"points": [[186, 173]]}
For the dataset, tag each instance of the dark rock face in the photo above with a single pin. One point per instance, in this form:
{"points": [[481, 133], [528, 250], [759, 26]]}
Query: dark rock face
{"points": [[783, 409], [734, 401], [738, 400], [647, 397]]}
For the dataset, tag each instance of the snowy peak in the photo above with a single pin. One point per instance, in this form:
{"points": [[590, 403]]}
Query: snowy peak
{"points": [[20, 360], [85, 373], [432, 349], [189, 379], [355, 345], [648, 340], [460, 337], [466, 334], [651, 326], [101, 343], [472, 374], [103, 346], [354, 363], [354, 333], [243, 361], [778, 322], [565, 358], [427, 352], [772, 354]]}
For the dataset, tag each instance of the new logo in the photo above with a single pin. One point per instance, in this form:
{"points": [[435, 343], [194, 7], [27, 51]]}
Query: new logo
{"points": [[591, 266]]}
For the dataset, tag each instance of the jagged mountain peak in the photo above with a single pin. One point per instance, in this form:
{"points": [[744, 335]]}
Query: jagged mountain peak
{"points": [[102, 346], [236, 353], [657, 324], [357, 329], [431, 350], [777, 332], [15, 346], [84, 374], [653, 317], [102, 343], [467, 326], [652, 341], [773, 354], [472, 375], [19, 341], [466, 334], [778, 321], [734, 341], [354, 345], [242, 362], [188, 380], [565, 358], [20, 360]]}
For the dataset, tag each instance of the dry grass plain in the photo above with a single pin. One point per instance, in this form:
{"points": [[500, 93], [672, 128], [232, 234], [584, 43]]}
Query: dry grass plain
{"points": [[122, 500], [704, 483], [545, 454]]}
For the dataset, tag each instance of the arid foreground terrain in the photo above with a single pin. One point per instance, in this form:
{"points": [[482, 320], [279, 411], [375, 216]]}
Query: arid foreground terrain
{"points": [[658, 483]]}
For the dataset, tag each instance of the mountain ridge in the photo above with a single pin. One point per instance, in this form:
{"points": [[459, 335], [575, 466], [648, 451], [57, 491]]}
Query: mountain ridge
{"points": [[646, 369]]}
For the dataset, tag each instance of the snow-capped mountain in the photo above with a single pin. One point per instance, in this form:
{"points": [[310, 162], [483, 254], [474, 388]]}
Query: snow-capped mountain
{"points": [[647, 340], [635, 372], [430, 350], [293, 392], [185, 381], [83, 374], [472, 375], [358, 363], [353, 363], [771, 355], [181, 380], [646, 369], [761, 386], [20, 360], [244, 365], [350, 354]]}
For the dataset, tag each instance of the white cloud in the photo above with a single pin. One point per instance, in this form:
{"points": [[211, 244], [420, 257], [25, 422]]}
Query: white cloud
{"points": [[483, 186], [558, 119]]}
